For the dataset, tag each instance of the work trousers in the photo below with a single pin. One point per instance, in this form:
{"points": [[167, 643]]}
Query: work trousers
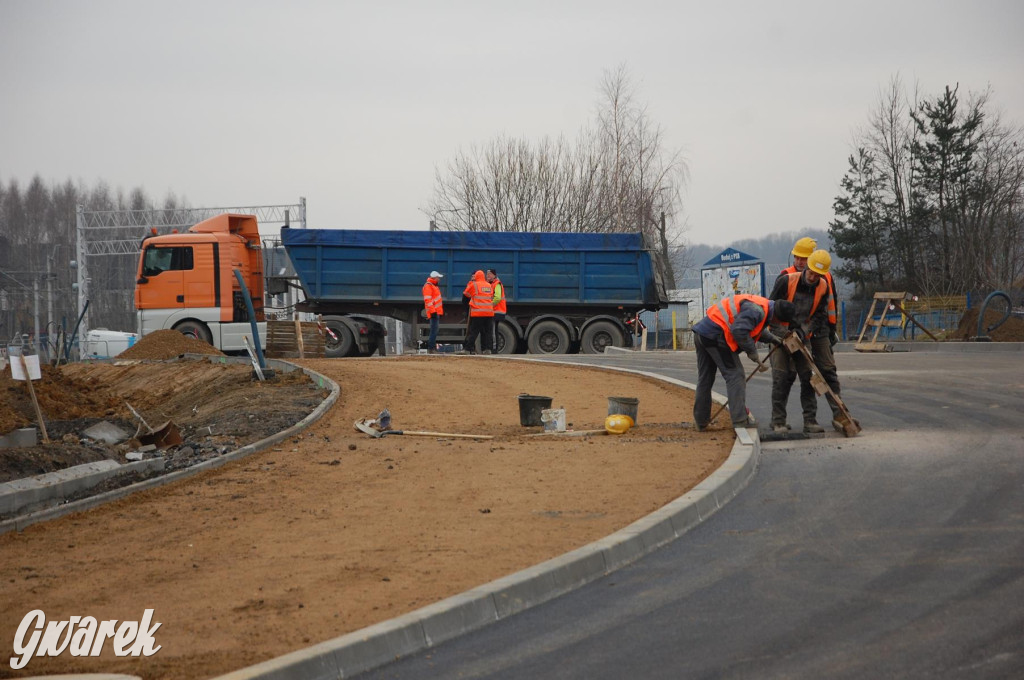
{"points": [[786, 368], [435, 321], [498, 316], [479, 326], [713, 358]]}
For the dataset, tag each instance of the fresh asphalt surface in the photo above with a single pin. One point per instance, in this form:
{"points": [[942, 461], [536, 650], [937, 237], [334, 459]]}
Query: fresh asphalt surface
{"points": [[898, 553]]}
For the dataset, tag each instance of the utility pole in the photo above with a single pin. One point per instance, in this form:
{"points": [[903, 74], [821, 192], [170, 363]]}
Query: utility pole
{"points": [[49, 307], [35, 308], [83, 273]]}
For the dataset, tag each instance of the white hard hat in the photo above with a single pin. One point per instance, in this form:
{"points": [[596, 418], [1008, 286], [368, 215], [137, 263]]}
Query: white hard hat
{"points": [[436, 275]]}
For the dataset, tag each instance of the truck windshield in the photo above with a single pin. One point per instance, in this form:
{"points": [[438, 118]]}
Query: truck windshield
{"points": [[158, 260]]}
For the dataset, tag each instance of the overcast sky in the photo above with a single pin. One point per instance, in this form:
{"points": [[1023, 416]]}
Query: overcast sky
{"points": [[354, 104]]}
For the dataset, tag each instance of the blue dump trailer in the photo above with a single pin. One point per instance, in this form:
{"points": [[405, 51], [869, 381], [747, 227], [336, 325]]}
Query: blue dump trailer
{"points": [[566, 292]]}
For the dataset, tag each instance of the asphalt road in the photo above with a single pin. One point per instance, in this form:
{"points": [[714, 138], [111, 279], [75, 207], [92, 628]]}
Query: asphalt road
{"points": [[898, 553]]}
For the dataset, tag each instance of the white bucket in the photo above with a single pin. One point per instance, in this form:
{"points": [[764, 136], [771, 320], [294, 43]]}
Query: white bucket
{"points": [[553, 419]]}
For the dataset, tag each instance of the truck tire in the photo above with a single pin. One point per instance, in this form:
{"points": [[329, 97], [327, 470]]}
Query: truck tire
{"points": [[505, 339], [342, 344], [599, 335], [195, 329], [548, 337]]}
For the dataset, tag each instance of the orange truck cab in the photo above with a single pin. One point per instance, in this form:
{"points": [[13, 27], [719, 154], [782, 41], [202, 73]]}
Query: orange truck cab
{"points": [[186, 282]]}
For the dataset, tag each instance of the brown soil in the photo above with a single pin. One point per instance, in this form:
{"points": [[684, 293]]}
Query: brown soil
{"points": [[62, 396], [217, 408], [167, 344], [334, 530], [1012, 330]]}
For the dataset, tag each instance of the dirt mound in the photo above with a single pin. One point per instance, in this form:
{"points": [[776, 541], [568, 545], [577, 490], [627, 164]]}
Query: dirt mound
{"points": [[1012, 330], [167, 344], [61, 397], [217, 408]]}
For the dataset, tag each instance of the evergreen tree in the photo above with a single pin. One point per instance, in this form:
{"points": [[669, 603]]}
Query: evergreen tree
{"points": [[859, 232], [944, 159]]}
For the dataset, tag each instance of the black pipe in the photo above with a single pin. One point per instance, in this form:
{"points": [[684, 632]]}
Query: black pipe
{"points": [[71, 340], [252, 318], [997, 324]]}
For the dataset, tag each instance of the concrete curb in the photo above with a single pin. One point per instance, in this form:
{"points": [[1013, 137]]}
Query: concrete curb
{"points": [[381, 643], [19, 523], [33, 493]]}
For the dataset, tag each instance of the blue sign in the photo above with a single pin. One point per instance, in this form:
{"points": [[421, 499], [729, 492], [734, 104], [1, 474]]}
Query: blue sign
{"points": [[730, 256]]}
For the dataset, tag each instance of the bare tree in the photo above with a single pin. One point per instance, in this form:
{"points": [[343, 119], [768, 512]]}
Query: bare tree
{"points": [[646, 178], [617, 177]]}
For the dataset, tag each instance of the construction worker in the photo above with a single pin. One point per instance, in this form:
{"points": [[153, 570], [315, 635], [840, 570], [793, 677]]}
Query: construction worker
{"points": [[500, 306], [810, 294], [822, 345], [480, 296], [801, 251], [433, 307], [735, 324]]}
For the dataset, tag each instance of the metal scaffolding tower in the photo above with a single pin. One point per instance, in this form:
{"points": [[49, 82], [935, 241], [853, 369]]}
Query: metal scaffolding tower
{"points": [[120, 233]]}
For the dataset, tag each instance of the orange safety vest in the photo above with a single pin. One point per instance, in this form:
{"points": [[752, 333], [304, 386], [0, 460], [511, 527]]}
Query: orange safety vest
{"points": [[724, 313], [481, 297], [820, 291], [432, 298], [832, 316], [499, 297]]}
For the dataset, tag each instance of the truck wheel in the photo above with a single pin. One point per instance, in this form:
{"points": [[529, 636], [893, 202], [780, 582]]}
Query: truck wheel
{"points": [[548, 337], [338, 341], [505, 340], [195, 329], [599, 335]]}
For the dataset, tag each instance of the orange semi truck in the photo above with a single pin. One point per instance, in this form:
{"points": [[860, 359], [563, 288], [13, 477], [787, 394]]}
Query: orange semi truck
{"points": [[569, 292], [186, 282]]}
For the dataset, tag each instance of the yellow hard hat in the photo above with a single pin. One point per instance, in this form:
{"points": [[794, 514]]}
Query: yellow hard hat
{"points": [[617, 423], [819, 262], [804, 247]]}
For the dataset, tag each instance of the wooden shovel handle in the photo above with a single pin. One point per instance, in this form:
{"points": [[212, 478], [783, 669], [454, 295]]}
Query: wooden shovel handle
{"points": [[440, 434]]}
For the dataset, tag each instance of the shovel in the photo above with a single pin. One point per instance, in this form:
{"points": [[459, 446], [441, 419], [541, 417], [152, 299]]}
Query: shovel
{"points": [[366, 425]]}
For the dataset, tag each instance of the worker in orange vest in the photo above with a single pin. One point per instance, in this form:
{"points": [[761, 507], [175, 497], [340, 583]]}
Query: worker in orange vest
{"points": [[801, 251], [815, 322], [500, 305], [480, 296], [434, 308], [732, 325]]}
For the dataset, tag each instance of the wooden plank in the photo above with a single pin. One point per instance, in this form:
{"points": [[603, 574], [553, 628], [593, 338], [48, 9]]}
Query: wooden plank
{"points": [[872, 347]]}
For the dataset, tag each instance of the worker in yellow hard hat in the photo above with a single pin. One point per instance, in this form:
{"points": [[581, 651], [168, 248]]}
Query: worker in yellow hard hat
{"points": [[810, 292], [801, 251], [822, 345]]}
